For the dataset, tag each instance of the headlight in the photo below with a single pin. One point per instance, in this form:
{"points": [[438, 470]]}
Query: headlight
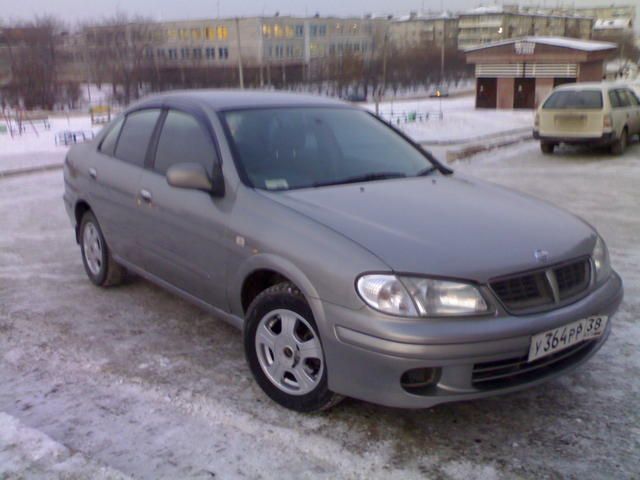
{"points": [[387, 294], [600, 258], [416, 296]]}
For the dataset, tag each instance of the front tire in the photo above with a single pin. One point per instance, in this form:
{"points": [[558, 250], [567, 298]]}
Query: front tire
{"points": [[620, 145], [100, 266], [284, 351]]}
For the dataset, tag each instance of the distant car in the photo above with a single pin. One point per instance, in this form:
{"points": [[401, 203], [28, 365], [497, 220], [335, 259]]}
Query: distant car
{"points": [[439, 91], [606, 114], [356, 97], [354, 263]]}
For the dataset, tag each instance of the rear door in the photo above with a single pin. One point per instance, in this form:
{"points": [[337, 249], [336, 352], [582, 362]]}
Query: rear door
{"points": [[115, 175], [633, 110], [619, 110], [183, 234], [572, 113]]}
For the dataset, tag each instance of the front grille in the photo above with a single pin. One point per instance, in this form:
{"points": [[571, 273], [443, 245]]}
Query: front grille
{"points": [[543, 289], [513, 371]]}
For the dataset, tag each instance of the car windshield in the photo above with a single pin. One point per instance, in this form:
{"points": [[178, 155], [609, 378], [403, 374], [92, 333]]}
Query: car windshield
{"points": [[300, 147], [580, 99]]}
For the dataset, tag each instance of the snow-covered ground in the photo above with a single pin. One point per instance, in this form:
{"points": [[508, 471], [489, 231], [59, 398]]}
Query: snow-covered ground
{"points": [[132, 381], [460, 120]]}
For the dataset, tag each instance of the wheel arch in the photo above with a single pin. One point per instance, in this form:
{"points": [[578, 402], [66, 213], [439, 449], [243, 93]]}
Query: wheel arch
{"points": [[264, 270], [81, 207]]}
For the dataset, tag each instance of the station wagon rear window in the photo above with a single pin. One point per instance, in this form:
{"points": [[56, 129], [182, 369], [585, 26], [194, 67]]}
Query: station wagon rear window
{"points": [[574, 99]]}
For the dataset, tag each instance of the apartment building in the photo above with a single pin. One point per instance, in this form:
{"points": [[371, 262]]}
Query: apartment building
{"points": [[491, 24], [419, 30]]}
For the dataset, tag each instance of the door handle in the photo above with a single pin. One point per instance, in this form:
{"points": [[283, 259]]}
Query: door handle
{"points": [[93, 173], [145, 195]]}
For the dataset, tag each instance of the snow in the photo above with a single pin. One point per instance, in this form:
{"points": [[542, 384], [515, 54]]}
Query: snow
{"points": [[565, 42], [132, 381], [34, 149], [461, 120], [612, 24]]}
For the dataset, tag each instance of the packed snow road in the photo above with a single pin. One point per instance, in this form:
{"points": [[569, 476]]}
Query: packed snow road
{"points": [[133, 382]]}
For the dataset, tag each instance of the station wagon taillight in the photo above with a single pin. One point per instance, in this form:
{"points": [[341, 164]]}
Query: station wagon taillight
{"points": [[607, 123], [536, 121]]}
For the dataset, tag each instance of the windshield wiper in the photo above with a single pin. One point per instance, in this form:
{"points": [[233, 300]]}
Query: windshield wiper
{"points": [[425, 172], [367, 177]]}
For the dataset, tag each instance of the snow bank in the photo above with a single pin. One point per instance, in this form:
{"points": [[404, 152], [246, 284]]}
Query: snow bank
{"points": [[461, 120]]}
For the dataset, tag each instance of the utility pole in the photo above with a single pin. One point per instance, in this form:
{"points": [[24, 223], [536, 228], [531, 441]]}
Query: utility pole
{"points": [[240, 73], [442, 51]]}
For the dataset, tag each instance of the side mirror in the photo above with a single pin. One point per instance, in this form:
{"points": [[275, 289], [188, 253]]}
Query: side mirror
{"points": [[194, 176]]}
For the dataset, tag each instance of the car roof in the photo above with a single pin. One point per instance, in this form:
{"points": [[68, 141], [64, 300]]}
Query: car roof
{"points": [[591, 85], [220, 100]]}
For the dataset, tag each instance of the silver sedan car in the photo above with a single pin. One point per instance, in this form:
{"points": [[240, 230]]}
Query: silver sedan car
{"points": [[354, 263]]}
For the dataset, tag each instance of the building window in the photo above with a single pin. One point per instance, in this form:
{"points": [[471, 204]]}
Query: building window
{"points": [[278, 31], [196, 34], [223, 32], [210, 33], [197, 53], [322, 30], [183, 34], [210, 53], [172, 34], [266, 31], [173, 54], [223, 53], [184, 53], [313, 30], [299, 30], [160, 53]]}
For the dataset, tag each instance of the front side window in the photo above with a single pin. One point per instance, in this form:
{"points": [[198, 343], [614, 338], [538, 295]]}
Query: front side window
{"points": [[289, 148], [108, 145], [183, 140], [574, 99], [136, 134]]}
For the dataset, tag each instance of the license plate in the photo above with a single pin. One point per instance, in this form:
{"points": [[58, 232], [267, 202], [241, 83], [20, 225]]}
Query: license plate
{"points": [[558, 339]]}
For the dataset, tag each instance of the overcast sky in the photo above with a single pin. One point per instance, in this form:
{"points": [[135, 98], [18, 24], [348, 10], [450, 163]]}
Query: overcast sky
{"points": [[73, 10]]}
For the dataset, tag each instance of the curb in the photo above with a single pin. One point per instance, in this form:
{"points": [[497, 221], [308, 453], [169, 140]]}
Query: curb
{"points": [[473, 149], [28, 170], [480, 138]]}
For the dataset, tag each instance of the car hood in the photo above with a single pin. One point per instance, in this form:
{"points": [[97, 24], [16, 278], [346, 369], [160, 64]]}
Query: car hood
{"points": [[452, 226]]}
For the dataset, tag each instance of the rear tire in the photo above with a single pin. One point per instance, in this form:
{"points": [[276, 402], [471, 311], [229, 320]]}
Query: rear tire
{"points": [[284, 351], [620, 145], [547, 147], [100, 266]]}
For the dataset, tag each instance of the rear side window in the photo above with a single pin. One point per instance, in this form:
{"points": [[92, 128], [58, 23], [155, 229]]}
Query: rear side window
{"points": [[625, 98], [183, 140], [108, 145], [614, 99], [136, 134], [578, 99]]}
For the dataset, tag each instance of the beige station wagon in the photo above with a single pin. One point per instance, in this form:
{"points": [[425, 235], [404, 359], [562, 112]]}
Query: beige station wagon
{"points": [[601, 114]]}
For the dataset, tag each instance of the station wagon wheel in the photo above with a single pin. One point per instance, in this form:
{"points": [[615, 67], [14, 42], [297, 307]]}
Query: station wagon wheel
{"points": [[99, 265], [284, 350], [620, 145]]}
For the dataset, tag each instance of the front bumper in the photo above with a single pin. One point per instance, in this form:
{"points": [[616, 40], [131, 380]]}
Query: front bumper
{"points": [[603, 140], [369, 364]]}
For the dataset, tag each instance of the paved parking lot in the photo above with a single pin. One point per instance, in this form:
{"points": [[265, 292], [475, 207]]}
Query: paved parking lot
{"points": [[138, 382]]}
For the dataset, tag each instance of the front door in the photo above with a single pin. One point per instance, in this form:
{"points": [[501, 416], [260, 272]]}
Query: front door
{"points": [[183, 231], [524, 95]]}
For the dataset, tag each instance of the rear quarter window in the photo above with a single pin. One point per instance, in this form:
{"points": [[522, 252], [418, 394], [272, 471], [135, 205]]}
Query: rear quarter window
{"points": [[108, 145], [574, 99]]}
